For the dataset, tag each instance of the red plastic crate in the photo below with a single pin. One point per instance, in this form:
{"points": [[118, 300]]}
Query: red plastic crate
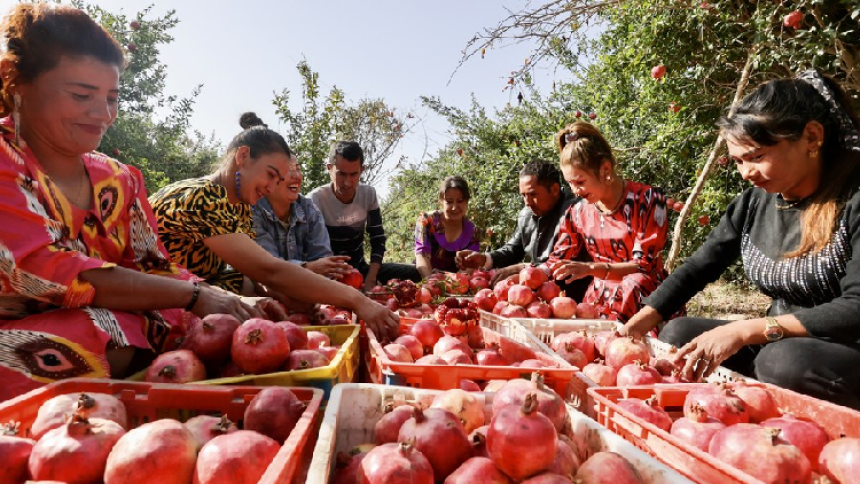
{"points": [[146, 402], [697, 465], [496, 329]]}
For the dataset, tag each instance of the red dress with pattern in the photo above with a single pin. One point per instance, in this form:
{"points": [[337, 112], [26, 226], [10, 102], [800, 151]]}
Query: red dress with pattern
{"points": [[48, 330], [635, 232]]}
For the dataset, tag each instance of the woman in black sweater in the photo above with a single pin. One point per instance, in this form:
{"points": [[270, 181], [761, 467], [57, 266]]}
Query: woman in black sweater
{"points": [[797, 141]]}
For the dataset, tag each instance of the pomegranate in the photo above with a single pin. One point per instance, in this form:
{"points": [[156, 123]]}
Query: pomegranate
{"points": [[719, 401], [501, 289], [469, 385], [566, 462], [395, 464], [428, 333], [211, 338], [55, 411], [624, 351], [759, 403], [549, 403], [475, 336], [388, 427], [424, 296], [411, 343], [490, 357], [840, 460], [478, 283], [14, 454], [478, 438], [179, 366], [415, 313], [296, 336], [520, 295], [305, 360], [602, 340], [477, 469], [522, 441], [346, 466], [607, 468], [493, 386], [329, 352], [438, 434], [499, 307], [548, 478], [76, 452], [274, 412], [807, 436], [353, 279], [530, 364], [457, 357], [601, 374], [675, 377], [259, 346], [317, 339], [761, 453], [448, 343], [647, 410], [430, 360], [578, 339], [464, 405], [698, 429], [514, 311], [563, 307], [229, 370], [486, 299], [391, 304], [548, 291], [532, 277], [301, 319], [243, 455], [663, 366], [586, 310], [637, 374], [207, 427], [539, 310], [397, 352]]}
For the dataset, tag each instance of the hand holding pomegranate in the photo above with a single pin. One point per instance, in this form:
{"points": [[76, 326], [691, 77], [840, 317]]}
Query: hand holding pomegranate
{"points": [[641, 323], [333, 267], [506, 272], [383, 322], [469, 259], [219, 301], [569, 270], [708, 351], [270, 308]]}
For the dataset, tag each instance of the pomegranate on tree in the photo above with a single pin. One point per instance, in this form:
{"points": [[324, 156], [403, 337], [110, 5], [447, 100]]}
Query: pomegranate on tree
{"points": [[840, 460], [395, 464], [464, 405], [761, 453], [179, 366], [388, 427], [14, 454], [274, 412], [698, 429], [522, 441], [807, 436], [607, 468], [719, 401], [244, 456], [259, 346], [638, 373], [647, 410], [623, 351], [478, 469], [211, 338], [207, 427], [438, 434], [55, 412]]}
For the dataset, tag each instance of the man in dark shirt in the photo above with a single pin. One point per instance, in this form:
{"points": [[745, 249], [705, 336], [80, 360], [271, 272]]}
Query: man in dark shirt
{"points": [[351, 208], [537, 228]]}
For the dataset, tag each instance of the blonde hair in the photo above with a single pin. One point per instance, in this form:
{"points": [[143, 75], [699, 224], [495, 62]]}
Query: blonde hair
{"points": [[581, 145]]}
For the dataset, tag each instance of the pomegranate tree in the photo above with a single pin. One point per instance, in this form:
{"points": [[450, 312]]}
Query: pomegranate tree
{"points": [[244, 456], [75, 453], [521, 441], [438, 434], [761, 453], [698, 429], [840, 460], [395, 464]]}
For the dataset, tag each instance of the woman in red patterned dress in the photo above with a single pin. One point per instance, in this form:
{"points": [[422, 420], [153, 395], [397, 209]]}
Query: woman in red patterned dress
{"points": [[84, 280], [621, 223]]}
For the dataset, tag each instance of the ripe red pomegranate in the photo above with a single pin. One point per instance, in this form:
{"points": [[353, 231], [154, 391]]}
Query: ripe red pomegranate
{"points": [[478, 438], [793, 19], [478, 469], [317, 339], [602, 340], [439, 435], [448, 343], [601, 374], [478, 283], [430, 360], [274, 412], [159, 452], [698, 430], [229, 370], [395, 464], [761, 453], [547, 478], [494, 386], [76, 452], [675, 377], [501, 289], [302, 319], [469, 385], [532, 277], [719, 401], [305, 360], [490, 357], [840, 460], [242, 455], [457, 357], [428, 333], [658, 71], [607, 468], [663, 366], [539, 310], [207, 427], [572, 355], [624, 351], [388, 427], [398, 352], [296, 336], [586, 310], [563, 307], [520, 295], [579, 340], [211, 338], [638, 373], [475, 336], [346, 466], [759, 402], [549, 403], [514, 311], [566, 462], [391, 304], [259, 346], [807, 436], [500, 307], [353, 278], [533, 363], [411, 343], [548, 291], [55, 412], [178, 366], [464, 405], [14, 454], [522, 441], [486, 299], [328, 351], [647, 410]]}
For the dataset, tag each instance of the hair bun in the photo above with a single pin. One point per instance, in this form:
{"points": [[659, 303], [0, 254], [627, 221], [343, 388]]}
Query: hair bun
{"points": [[249, 120]]}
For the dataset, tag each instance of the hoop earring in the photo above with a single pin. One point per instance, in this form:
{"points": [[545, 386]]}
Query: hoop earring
{"points": [[16, 117], [238, 183]]}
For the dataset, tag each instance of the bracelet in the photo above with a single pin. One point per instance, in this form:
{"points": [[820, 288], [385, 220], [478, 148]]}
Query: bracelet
{"points": [[606, 276], [194, 297]]}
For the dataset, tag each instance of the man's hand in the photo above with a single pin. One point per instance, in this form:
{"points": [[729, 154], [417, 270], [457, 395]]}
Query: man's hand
{"points": [[641, 323], [272, 309], [505, 272], [469, 259], [383, 322], [333, 267]]}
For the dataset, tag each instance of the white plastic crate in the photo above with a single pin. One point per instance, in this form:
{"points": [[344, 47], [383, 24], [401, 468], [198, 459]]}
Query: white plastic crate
{"points": [[354, 409]]}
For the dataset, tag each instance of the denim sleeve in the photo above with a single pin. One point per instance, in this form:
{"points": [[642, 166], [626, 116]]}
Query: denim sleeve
{"points": [[317, 244], [265, 233]]}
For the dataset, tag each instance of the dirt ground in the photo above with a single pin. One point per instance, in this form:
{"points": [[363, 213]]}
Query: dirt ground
{"points": [[722, 300]]}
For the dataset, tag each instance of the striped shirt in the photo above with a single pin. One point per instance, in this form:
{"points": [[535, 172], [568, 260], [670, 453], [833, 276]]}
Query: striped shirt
{"points": [[347, 222]]}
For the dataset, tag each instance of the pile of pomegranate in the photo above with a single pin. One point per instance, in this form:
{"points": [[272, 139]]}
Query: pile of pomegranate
{"points": [[220, 346], [86, 439], [525, 437], [741, 425], [530, 294]]}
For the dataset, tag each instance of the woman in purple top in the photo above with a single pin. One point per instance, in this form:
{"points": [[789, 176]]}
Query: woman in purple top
{"points": [[441, 233]]}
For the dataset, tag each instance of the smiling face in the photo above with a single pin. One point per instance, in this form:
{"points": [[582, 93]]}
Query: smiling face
{"points": [[261, 176], [589, 185], [68, 109], [345, 176], [454, 205], [287, 192]]}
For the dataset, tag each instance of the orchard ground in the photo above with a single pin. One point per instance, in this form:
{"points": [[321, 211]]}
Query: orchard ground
{"points": [[725, 300]]}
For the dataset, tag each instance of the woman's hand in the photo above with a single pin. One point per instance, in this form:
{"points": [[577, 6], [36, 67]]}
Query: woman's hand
{"points": [[383, 322], [641, 323], [569, 271], [333, 267], [708, 351], [217, 301], [469, 259], [272, 309]]}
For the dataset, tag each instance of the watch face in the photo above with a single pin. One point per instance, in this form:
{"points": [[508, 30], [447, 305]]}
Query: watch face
{"points": [[773, 334]]}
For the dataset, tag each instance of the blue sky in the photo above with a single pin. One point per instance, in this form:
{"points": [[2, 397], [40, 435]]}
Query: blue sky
{"points": [[244, 51]]}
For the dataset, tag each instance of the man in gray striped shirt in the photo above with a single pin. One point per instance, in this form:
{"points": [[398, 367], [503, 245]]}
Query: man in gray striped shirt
{"points": [[349, 208]]}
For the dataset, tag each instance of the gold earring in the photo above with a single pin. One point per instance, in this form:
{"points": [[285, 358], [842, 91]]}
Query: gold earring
{"points": [[814, 152], [16, 117]]}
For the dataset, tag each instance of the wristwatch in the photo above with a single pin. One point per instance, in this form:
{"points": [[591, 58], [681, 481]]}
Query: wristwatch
{"points": [[772, 330]]}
